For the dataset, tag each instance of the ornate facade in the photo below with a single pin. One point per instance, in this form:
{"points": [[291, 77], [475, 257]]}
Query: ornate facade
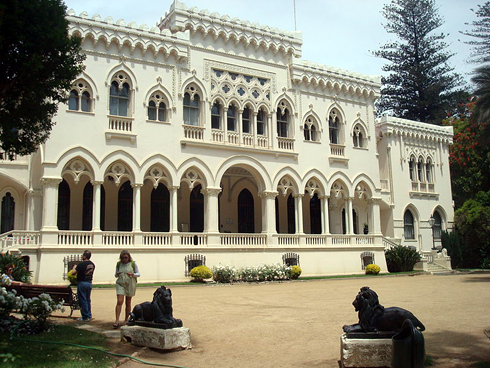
{"points": [[208, 140]]}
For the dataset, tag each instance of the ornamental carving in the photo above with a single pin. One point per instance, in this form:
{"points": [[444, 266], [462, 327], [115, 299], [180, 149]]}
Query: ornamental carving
{"points": [[156, 175]]}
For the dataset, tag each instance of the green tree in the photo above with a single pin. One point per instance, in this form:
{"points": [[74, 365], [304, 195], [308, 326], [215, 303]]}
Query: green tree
{"points": [[38, 61], [480, 31], [421, 85]]}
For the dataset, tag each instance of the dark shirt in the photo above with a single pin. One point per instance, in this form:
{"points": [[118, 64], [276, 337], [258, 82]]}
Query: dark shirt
{"points": [[85, 271]]}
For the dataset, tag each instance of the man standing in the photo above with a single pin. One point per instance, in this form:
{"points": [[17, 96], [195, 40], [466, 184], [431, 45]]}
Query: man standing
{"points": [[85, 272]]}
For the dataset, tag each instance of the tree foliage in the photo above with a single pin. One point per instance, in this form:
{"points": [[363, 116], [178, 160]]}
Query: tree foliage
{"points": [[473, 223], [481, 34], [469, 160], [38, 61], [421, 85]]}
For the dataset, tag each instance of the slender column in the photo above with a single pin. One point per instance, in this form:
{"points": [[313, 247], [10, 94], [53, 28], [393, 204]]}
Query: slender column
{"points": [[136, 206], [173, 226], [268, 211], [96, 207], [224, 118], [348, 216], [240, 126], [325, 217], [211, 209], [50, 203], [253, 127], [298, 204], [270, 131], [376, 215]]}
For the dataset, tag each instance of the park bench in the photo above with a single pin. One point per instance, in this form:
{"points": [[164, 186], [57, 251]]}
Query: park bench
{"points": [[57, 293]]}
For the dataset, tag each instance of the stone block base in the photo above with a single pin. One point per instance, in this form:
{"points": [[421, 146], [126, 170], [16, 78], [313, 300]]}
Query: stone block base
{"points": [[157, 338], [365, 352]]}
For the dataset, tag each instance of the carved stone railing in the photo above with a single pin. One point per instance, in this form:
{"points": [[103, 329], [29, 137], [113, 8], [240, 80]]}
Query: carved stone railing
{"points": [[243, 239], [16, 238], [198, 239], [118, 238], [233, 138], [262, 141], [75, 238], [248, 139], [120, 124], [337, 150], [193, 132], [288, 239], [285, 143], [158, 239], [217, 135]]}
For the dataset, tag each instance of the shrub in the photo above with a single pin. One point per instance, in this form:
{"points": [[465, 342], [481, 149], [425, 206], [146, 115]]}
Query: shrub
{"points": [[249, 274], [200, 273], [224, 274], [372, 269], [401, 258], [9, 302], [72, 278], [294, 272], [20, 271], [41, 308], [272, 272]]}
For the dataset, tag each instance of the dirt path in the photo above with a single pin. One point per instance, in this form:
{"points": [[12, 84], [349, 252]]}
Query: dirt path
{"points": [[298, 324]]}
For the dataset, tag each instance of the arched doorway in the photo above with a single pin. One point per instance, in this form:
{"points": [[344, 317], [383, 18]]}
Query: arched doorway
{"points": [[246, 218], [125, 207], [197, 210], [8, 213], [160, 209], [88, 203], [63, 205], [315, 215]]}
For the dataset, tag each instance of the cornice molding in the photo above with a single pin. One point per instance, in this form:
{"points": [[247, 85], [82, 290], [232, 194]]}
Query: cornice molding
{"points": [[389, 125]]}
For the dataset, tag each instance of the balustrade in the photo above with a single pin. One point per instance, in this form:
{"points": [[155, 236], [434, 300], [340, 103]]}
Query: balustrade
{"points": [[285, 143], [243, 239], [75, 238], [337, 150], [157, 239], [233, 138], [194, 132], [248, 139], [217, 135], [118, 238], [120, 124]]}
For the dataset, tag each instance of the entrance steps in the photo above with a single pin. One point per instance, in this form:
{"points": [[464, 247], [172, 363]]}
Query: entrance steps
{"points": [[435, 269]]}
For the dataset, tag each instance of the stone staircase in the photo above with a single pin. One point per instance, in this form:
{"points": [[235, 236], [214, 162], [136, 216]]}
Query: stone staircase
{"points": [[435, 269]]}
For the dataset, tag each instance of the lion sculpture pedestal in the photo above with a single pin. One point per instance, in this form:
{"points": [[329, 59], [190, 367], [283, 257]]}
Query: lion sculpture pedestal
{"points": [[369, 343], [152, 324]]}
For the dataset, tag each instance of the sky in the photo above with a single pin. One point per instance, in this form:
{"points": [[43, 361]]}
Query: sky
{"points": [[337, 33]]}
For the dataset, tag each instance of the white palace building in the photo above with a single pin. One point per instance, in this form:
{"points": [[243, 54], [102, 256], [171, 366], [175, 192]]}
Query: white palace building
{"points": [[206, 139]]}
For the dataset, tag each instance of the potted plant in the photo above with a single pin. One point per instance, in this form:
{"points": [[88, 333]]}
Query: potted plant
{"points": [[366, 228]]}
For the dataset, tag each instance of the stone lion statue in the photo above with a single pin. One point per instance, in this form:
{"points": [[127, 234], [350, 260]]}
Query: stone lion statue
{"points": [[159, 311], [373, 317]]}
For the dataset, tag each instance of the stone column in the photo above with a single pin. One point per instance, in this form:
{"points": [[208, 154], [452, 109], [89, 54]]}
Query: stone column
{"points": [[240, 126], [348, 217], [34, 220], [298, 204], [96, 210], [376, 215], [325, 217], [211, 212], [270, 131], [268, 211], [136, 207], [174, 211], [50, 203]]}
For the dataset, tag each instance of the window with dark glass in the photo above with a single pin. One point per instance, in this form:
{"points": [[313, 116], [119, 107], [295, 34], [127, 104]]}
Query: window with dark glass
{"points": [[282, 123], [246, 120], [408, 225], [73, 101], [191, 110], [231, 118], [333, 128], [215, 116], [260, 123], [119, 101]]}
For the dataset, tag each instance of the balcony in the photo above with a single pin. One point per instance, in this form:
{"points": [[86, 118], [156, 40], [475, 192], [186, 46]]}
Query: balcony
{"points": [[423, 189], [120, 127]]}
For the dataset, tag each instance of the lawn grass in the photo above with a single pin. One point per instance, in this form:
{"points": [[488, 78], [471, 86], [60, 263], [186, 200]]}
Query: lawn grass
{"points": [[54, 354]]}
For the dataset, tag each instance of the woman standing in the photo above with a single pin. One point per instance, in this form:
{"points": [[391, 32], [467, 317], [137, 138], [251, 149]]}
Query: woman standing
{"points": [[126, 272]]}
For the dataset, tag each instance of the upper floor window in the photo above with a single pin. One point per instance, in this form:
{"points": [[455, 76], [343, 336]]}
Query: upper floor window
{"points": [[157, 110], [437, 228], [334, 127], [231, 118], [411, 168], [420, 169], [260, 123], [119, 95], [215, 116], [282, 122], [358, 136], [310, 130], [408, 225], [191, 108], [246, 120], [428, 171], [80, 99]]}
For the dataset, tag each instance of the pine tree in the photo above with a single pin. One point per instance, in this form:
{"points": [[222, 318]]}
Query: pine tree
{"points": [[421, 85], [480, 31]]}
